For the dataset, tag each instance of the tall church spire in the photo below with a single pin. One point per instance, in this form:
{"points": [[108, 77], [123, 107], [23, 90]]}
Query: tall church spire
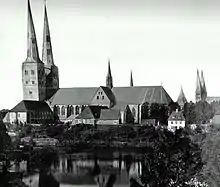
{"points": [[47, 53], [204, 91], [109, 81], [198, 88], [32, 49], [131, 80]]}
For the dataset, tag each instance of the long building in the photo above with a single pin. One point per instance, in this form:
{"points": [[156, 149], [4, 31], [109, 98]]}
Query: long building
{"points": [[40, 80]]}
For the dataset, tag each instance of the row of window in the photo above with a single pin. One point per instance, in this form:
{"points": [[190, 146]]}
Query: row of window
{"points": [[100, 97], [31, 82], [26, 72], [70, 110], [176, 122]]}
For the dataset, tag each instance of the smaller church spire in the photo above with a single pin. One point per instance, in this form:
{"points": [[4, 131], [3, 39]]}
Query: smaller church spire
{"points": [[32, 48], [181, 98], [131, 80], [109, 81], [47, 53]]}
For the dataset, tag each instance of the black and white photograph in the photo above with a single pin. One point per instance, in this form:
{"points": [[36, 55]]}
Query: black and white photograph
{"points": [[109, 93]]}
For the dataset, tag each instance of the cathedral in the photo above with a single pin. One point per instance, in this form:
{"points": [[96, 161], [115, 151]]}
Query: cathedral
{"points": [[201, 92], [43, 99]]}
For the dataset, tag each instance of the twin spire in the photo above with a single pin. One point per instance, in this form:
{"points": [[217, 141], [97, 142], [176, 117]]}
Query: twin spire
{"points": [[32, 47], [109, 80], [201, 92]]}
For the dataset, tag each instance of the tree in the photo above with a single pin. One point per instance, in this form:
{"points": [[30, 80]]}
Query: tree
{"points": [[159, 112], [203, 112], [173, 106], [210, 156], [189, 113], [170, 159], [145, 111], [5, 140]]}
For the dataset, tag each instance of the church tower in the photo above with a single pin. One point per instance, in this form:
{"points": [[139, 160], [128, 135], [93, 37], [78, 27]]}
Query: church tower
{"points": [[51, 70], [33, 76], [198, 93], [181, 99], [131, 80], [204, 91], [109, 81]]}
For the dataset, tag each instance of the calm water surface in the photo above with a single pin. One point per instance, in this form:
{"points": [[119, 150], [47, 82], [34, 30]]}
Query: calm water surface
{"points": [[82, 170]]}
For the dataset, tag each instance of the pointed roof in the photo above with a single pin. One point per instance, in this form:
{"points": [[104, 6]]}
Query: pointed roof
{"points": [[91, 112], [47, 53], [198, 83], [181, 99], [32, 48], [203, 82], [131, 80], [109, 82], [176, 116]]}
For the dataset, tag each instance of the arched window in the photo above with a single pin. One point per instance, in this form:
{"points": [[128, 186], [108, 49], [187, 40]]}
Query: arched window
{"points": [[83, 107], [133, 112], [71, 110], [77, 110], [63, 111], [56, 110]]}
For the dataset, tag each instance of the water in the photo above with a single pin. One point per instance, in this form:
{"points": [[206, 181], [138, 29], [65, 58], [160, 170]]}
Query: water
{"points": [[83, 169]]}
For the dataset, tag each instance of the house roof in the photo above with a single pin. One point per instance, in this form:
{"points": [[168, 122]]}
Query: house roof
{"points": [[129, 95], [110, 114], [91, 112], [109, 93], [27, 105], [176, 116]]}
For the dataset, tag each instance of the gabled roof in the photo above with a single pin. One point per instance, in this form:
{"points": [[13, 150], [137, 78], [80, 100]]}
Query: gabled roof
{"points": [[141, 94], [27, 105], [109, 93], [128, 95], [91, 112], [176, 116], [74, 96], [110, 114]]}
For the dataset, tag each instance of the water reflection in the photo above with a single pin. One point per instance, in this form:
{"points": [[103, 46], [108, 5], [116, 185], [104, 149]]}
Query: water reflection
{"points": [[123, 170]]}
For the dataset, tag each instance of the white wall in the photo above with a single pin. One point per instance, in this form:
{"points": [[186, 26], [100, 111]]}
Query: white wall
{"points": [[12, 116], [177, 124]]}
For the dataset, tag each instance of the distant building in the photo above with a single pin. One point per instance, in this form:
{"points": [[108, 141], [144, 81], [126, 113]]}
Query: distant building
{"points": [[29, 112], [40, 80], [176, 120]]}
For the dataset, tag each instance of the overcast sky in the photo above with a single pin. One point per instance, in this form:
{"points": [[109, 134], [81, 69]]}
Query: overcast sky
{"points": [[159, 40]]}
